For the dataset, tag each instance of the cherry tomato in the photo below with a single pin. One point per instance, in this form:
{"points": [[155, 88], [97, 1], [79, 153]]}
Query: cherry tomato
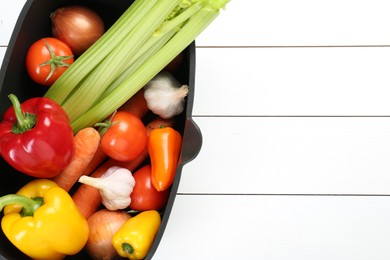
{"points": [[125, 137], [47, 59], [144, 195]]}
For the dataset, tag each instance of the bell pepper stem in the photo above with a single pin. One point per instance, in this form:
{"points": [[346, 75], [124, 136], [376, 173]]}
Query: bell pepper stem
{"points": [[128, 248], [29, 204], [25, 121]]}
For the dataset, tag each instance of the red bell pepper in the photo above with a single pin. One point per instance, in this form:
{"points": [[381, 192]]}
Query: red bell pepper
{"points": [[36, 137]]}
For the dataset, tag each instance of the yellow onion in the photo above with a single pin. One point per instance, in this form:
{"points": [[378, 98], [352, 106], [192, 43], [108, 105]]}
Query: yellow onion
{"points": [[103, 224], [78, 26]]}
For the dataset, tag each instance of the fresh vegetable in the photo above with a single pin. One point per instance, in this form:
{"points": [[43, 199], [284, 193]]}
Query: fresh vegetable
{"points": [[123, 136], [43, 222], [86, 143], [159, 122], [165, 96], [149, 35], [36, 137], [98, 158], [47, 59], [135, 238], [87, 198], [136, 105], [164, 147], [115, 187], [144, 195], [103, 224], [78, 26]]}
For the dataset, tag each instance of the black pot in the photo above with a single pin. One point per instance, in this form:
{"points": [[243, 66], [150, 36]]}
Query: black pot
{"points": [[33, 24]]}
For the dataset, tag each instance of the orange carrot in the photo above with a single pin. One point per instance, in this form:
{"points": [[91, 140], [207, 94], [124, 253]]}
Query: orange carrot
{"points": [[86, 142], [97, 159], [87, 198]]}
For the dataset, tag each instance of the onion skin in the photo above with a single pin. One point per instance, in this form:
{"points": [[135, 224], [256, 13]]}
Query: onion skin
{"points": [[78, 26], [103, 224]]}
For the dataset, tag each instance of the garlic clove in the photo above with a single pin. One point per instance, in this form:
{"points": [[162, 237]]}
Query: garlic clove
{"points": [[115, 187], [164, 95]]}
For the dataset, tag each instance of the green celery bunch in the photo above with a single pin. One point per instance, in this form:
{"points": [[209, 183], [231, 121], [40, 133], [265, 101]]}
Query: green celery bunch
{"points": [[149, 35]]}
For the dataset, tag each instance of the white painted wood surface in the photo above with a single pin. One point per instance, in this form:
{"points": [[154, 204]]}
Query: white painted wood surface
{"points": [[292, 98], [300, 23]]}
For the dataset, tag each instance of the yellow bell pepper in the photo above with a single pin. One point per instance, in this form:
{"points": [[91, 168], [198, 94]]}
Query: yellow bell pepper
{"points": [[43, 222], [135, 237]]}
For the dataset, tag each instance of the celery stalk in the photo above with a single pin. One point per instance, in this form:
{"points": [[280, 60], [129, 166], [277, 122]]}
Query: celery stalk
{"points": [[150, 48], [89, 59], [103, 74], [137, 47], [190, 30], [154, 43]]}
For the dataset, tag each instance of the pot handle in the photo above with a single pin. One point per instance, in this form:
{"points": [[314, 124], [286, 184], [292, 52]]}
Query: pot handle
{"points": [[192, 141]]}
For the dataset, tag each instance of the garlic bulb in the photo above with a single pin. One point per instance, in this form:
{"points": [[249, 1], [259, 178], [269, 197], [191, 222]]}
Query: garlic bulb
{"points": [[164, 95], [115, 187]]}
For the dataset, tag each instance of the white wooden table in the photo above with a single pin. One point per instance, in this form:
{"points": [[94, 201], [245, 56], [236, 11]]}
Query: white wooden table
{"points": [[293, 99]]}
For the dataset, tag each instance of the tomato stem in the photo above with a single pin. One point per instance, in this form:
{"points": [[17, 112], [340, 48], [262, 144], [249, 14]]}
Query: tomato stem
{"points": [[55, 61], [103, 126]]}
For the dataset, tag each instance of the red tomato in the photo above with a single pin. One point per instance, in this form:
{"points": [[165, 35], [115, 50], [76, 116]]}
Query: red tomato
{"points": [[144, 195], [47, 59], [125, 138]]}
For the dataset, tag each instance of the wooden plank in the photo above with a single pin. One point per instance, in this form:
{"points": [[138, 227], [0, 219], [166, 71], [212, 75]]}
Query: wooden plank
{"points": [[277, 227], [299, 23], [290, 155], [9, 14], [292, 81]]}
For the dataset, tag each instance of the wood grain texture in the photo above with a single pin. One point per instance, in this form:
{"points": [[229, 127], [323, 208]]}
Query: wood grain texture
{"points": [[277, 227], [291, 155], [300, 23]]}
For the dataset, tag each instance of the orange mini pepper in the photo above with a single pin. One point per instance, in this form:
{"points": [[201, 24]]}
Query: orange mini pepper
{"points": [[164, 147]]}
